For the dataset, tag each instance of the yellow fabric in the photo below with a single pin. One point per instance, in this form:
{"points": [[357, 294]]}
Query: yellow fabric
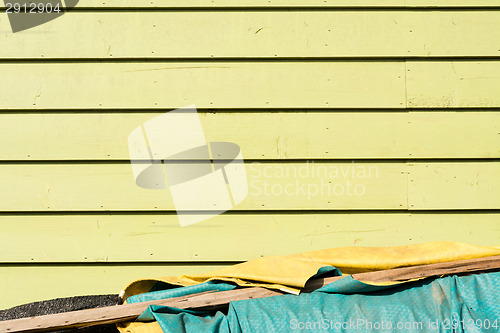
{"points": [[153, 327], [352, 260], [290, 273], [283, 273]]}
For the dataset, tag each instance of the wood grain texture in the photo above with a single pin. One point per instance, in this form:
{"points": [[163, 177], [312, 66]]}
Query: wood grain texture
{"points": [[454, 185], [159, 238], [271, 186], [220, 85], [258, 34], [29, 283], [300, 135], [439, 269], [464, 84]]}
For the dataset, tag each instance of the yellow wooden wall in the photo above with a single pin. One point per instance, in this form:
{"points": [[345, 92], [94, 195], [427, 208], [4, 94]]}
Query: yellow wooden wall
{"points": [[408, 88]]}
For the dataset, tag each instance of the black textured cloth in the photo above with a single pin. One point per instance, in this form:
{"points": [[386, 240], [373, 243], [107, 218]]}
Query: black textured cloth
{"points": [[60, 305]]}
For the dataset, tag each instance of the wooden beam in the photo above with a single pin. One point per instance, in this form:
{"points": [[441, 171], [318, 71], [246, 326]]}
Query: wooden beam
{"points": [[415, 272], [418, 272], [128, 312]]}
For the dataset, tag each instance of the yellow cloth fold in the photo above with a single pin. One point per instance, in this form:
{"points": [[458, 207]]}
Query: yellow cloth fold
{"points": [[133, 327], [351, 260], [290, 273]]}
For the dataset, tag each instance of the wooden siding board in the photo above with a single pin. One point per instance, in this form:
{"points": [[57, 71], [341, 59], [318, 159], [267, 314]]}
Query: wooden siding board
{"points": [[250, 85], [454, 185], [111, 187], [455, 84], [452, 3], [272, 186], [462, 134], [166, 4], [253, 34], [300, 135], [29, 283], [208, 85], [159, 238]]}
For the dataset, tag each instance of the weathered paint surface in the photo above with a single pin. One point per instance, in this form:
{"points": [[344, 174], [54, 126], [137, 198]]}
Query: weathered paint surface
{"points": [[173, 4], [321, 135], [262, 34], [150, 238], [25, 283], [120, 85], [401, 102]]}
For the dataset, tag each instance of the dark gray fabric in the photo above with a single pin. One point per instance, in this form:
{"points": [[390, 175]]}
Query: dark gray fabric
{"points": [[60, 305]]}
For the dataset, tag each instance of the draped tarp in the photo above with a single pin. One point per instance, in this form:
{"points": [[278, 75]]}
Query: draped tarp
{"points": [[465, 299]]}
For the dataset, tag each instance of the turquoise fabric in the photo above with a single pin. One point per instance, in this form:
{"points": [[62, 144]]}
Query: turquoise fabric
{"points": [[174, 320], [450, 304], [348, 285], [182, 291]]}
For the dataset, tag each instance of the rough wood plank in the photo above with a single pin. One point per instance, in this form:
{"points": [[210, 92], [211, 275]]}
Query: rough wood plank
{"points": [[159, 238], [208, 85], [301, 135], [128, 312], [271, 186], [32, 282], [432, 84], [258, 34], [454, 185], [417, 272]]}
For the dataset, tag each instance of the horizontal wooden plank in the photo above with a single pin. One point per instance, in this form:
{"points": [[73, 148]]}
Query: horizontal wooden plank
{"points": [[452, 3], [454, 185], [300, 135], [208, 85], [411, 273], [449, 134], [466, 266], [275, 84], [30, 283], [258, 34], [453, 84], [159, 238], [271, 186], [98, 4]]}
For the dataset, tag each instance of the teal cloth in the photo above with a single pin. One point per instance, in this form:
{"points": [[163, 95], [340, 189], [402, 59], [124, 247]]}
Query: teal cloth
{"points": [[450, 304], [348, 285], [180, 291]]}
